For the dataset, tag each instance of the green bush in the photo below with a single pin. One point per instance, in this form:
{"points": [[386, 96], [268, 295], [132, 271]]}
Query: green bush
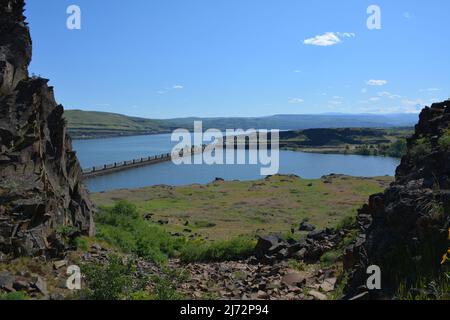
{"points": [[165, 285], [348, 222], [421, 148], [111, 281], [18, 295], [81, 243], [444, 141], [226, 250], [330, 257], [122, 226]]}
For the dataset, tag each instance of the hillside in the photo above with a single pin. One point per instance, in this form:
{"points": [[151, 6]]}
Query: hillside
{"points": [[363, 141], [84, 124], [91, 124], [405, 229]]}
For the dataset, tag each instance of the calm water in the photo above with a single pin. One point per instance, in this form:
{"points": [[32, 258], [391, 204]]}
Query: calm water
{"points": [[307, 165]]}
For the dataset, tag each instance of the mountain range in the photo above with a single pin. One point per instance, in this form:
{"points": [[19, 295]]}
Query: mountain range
{"points": [[93, 124]]}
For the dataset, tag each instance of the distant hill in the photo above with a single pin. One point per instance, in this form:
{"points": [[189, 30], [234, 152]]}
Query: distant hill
{"points": [[91, 124]]}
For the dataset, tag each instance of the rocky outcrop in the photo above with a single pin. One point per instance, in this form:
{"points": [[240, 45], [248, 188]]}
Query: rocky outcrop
{"points": [[40, 177], [404, 229], [273, 249]]}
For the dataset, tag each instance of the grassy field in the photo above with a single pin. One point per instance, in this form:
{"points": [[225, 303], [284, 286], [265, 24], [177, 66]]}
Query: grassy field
{"points": [[223, 210]]}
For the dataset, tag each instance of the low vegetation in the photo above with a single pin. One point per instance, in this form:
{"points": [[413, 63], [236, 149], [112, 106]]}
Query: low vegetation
{"points": [[18, 295], [123, 227], [221, 250], [241, 208], [444, 141], [362, 141], [421, 148]]}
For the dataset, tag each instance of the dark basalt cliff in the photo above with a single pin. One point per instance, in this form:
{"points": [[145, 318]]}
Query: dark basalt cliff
{"points": [[404, 230], [40, 177]]}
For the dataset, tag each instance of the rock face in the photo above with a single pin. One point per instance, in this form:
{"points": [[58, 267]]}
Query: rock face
{"points": [[404, 230], [40, 177]]}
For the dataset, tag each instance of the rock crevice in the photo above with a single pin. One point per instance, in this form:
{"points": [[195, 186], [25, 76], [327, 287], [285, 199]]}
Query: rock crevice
{"points": [[41, 189]]}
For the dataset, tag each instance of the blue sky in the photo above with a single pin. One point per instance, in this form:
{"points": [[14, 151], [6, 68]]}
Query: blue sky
{"points": [[175, 58]]}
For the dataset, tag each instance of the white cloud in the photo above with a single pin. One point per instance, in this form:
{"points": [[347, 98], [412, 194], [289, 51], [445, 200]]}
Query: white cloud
{"points": [[297, 71], [412, 102], [178, 87], [328, 39], [376, 82], [408, 15], [364, 90], [373, 99], [338, 98], [335, 102], [389, 95], [430, 90], [296, 101], [347, 34]]}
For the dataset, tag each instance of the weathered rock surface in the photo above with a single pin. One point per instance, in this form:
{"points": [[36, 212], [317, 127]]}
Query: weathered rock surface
{"points": [[40, 177], [404, 229], [273, 249]]}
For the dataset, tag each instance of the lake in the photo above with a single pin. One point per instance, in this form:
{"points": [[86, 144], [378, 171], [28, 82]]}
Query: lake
{"points": [[97, 152]]}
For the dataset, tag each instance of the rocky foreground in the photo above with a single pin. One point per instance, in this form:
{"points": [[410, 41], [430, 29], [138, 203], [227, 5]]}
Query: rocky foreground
{"points": [[40, 177], [278, 270]]}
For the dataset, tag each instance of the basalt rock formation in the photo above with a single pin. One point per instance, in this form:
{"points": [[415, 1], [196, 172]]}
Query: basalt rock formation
{"points": [[404, 230], [40, 178]]}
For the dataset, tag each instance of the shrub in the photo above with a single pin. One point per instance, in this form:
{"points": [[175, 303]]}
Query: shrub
{"points": [[330, 257], [111, 281], [421, 148], [81, 243], [444, 141], [235, 249], [348, 222], [19, 295], [165, 285], [122, 226]]}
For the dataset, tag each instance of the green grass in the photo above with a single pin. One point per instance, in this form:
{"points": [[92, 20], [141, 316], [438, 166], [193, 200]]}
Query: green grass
{"points": [[226, 210], [122, 226], [425, 289], [221, 250], [14, 296]]}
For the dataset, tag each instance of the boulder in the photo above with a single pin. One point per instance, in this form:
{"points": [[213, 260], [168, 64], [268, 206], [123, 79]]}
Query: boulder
{"points": [[305, 226], [264, 244], [6, 281], [317, 295], [295, 278]]}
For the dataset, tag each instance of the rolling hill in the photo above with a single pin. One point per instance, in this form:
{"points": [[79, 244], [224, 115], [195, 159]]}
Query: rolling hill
{"points": [[92, 124]]}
